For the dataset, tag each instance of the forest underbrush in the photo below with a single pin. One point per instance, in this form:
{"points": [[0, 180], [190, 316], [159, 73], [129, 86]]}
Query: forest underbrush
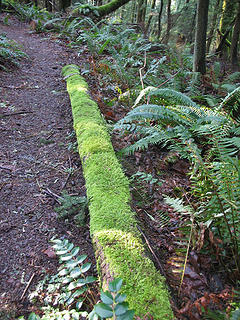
{"points": [[177, 136]]}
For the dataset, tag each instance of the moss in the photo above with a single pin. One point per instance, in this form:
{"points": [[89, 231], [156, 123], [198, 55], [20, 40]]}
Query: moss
{"points": [[113, 227], [144, 287]]}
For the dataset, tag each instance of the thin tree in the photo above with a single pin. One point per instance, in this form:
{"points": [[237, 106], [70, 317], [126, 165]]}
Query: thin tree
{"points": [[199, 63], [235, 38], [151, 15], [226, 24], [213, 25], [160, 20], [169, 22]]}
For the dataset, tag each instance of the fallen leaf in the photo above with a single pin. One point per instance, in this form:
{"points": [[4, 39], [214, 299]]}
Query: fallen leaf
{"points": [[50, 253]]}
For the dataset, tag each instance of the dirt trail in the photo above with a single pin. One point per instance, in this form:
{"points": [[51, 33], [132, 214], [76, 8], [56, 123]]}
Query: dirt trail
{"points": [[34, 155]]}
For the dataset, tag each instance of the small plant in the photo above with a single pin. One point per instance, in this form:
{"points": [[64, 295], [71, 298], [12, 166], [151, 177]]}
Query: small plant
{"points": [[146, 177], [71, 279], [70, 290], [10, 52], [72, 206], [113, 305]]}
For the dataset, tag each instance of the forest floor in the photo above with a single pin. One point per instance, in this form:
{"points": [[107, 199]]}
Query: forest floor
{"points": [[35, 164]]}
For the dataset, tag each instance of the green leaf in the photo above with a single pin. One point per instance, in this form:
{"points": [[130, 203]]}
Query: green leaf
{"points": [[78, 292], [70, 301], [90, 279], [85, 267], [93, 315], [74, 263], [33, 316], [103, 310], [115, 285], [75, 273], [121, 308], [79, 304], [120, 297], [75, 315], [65, 250], [106, 297], [72, 286], [80, 283], [75, 251], [63, 272], [66, 257], [67, 280], [126, 316], [81, 258]]}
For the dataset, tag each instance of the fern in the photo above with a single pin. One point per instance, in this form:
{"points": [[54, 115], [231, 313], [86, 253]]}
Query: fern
{"points": [[232, 100], [10, 52], [209, 139]]}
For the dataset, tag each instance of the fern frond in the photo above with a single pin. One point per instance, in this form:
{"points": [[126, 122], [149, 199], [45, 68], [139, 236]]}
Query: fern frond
{"points": [[145, 142], [232, 100], [177, 205], [172, 96], [233, 77]]}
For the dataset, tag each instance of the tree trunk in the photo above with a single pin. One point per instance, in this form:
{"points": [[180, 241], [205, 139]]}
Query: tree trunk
{"points": [[141, 12], [110, 7], [133, 12], [64, 4], [0, 5], [228, 12], [235, 38], [159, 20], [150, 15], [199, 64], [169, 22], [213, 25], [48, 5]]}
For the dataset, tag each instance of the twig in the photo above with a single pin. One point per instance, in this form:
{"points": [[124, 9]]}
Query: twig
{"points": [[141, 69], [13, 114], [54, 195], [27, 286], [69, 174], [164, 83], [168, 79], [150, 248]]}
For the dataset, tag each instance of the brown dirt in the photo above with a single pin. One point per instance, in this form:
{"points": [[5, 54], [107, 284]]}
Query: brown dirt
{"points": [[34, 156]]}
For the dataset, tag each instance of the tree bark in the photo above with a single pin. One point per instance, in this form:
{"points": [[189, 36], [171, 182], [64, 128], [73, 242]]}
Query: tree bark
{"points": [[64, 4], [150, 16], [169, 22], [110, 7], [228, 12], [141, 12], [199, 63], [159, 20], [235, 38], [213, 25]]}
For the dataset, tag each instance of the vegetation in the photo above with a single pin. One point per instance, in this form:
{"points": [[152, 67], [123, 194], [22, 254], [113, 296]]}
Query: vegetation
{"points": [[72, 206], [167, 95], [65, 293], [113, 227], [10, 53]]}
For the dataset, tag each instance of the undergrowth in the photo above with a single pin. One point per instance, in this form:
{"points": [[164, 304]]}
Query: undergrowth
{"points": [[72, 293], [10, 53]]}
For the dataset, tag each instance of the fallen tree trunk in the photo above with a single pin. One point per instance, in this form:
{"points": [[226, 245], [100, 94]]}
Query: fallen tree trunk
{"points": [[118, 246], [100, 11]]}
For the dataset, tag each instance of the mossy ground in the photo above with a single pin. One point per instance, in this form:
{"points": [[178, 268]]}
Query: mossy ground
{"points": [[112, 223]]}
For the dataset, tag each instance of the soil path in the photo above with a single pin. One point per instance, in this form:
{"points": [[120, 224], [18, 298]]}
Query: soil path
{"points": [[34, 156]]}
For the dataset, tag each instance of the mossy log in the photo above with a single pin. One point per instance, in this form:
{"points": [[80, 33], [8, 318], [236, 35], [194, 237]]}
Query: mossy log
{"points": [[118, 246]]}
